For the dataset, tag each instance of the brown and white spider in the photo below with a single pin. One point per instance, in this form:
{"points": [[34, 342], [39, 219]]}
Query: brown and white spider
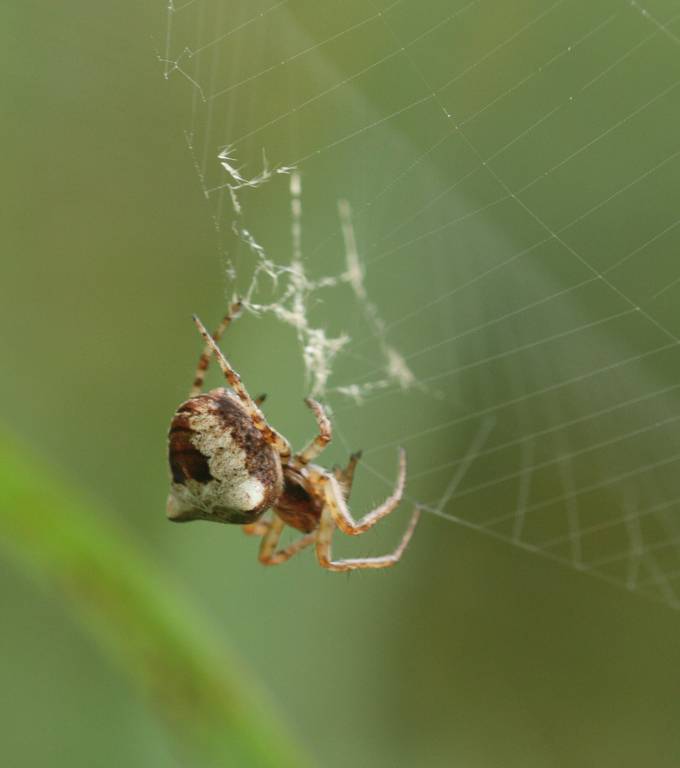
{"points": [[228, 465]]}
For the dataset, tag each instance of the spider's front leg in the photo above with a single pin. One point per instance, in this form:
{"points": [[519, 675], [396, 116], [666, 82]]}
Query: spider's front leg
{"points": [[335, 512], [335, 502], [321, 440], [345, 477], [325, 555]]}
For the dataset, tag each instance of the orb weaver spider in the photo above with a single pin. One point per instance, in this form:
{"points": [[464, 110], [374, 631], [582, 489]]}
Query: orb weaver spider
{"points": [[228, 465]]}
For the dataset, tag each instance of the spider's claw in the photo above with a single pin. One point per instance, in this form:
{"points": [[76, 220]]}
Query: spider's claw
{"points": [[260, 399], [356, 455]]}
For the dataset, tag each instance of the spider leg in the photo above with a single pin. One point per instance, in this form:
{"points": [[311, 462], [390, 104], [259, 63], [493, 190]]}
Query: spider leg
{"points": [[321, 440], [270, 555], [325, 556], [345, 477], [258, 528], [335, 502], [259, 422], [204, 360]]}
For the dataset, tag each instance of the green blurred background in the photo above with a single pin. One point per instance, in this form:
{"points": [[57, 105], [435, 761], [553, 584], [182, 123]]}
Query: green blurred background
{"points": [[473, 652]]}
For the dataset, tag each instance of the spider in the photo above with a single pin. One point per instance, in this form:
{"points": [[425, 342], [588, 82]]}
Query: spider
{"points": [[228, 465]]}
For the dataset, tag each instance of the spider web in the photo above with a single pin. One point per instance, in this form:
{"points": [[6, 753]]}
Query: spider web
{"points": [[468, 213]]}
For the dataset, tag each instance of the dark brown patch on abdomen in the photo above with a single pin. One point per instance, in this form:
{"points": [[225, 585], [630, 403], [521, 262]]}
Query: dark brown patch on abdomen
{"points": [[186, 461]]}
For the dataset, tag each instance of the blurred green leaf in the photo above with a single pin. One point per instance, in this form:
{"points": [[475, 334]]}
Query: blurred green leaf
{"points": [[211, 708]]}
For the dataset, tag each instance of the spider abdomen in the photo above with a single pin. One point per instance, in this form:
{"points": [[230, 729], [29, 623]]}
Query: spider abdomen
{"points": [[222, 467]]}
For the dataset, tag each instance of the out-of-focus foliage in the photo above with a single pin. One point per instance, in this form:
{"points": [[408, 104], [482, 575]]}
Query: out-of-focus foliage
{"points": [[207, 704]]}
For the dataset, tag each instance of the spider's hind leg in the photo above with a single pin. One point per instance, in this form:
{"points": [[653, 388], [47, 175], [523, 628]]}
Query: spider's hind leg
{"points": [[277, 441], [258, 528], [270, 554], [204, 359]]}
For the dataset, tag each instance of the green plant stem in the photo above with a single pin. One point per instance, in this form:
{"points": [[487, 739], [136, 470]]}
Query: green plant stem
{"points": [[213, 711]]}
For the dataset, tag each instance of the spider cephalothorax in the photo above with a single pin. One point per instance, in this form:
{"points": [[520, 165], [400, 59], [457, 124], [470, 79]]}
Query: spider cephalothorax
{"points": [[228, 465]]}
